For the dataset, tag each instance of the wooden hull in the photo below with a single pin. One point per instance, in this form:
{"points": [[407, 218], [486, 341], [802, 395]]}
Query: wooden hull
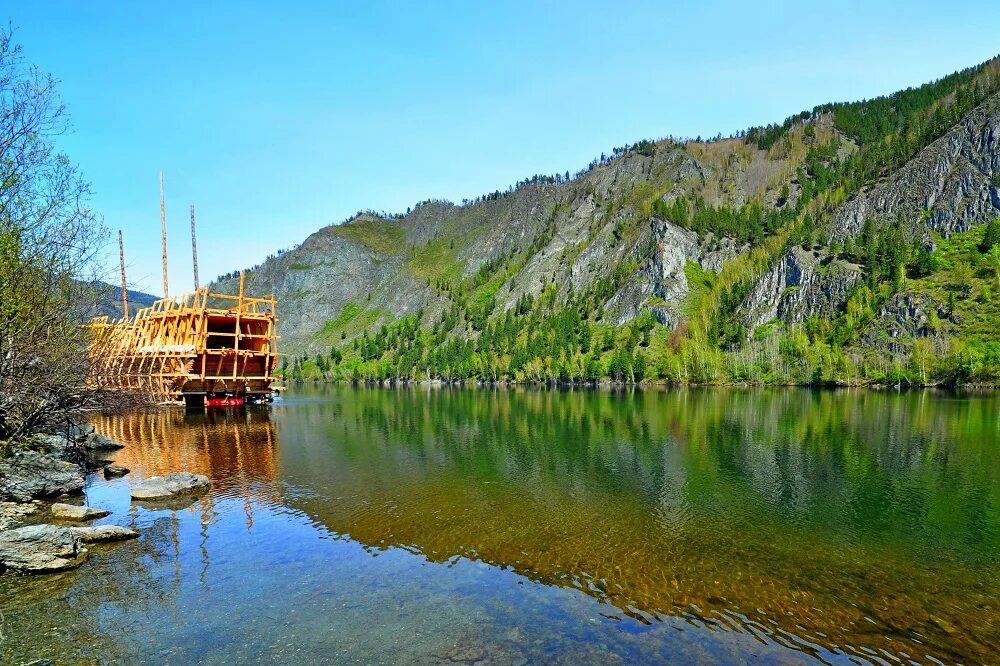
{"points": [[200, 344]]}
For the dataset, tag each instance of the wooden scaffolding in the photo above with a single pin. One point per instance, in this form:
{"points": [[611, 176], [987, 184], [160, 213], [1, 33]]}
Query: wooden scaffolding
{"points": [[189, 347]]}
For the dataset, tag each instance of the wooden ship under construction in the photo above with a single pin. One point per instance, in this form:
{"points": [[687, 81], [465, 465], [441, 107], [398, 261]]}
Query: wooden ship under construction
{"points": [[204, 348]]}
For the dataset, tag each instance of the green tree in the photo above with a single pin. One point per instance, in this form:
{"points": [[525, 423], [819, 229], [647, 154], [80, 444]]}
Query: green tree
{"points": [[991, 237], [994, 260], [48, 237]]}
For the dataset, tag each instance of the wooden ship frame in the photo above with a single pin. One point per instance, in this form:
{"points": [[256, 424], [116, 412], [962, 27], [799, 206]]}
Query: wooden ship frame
{"points": [[204, 348]]}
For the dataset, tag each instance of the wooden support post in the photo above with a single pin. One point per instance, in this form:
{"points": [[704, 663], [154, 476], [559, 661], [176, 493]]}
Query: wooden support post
{"points": [[121, 261], [194, 249], [239, 311], [163, 239]]}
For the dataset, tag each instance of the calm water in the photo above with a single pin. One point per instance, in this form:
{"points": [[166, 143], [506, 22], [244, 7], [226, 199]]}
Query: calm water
{"points": [[514, 527]]}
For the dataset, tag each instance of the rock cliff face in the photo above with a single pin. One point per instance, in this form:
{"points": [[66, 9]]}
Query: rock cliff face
{"points": [[371, 270], [661, 284], [804, 283], [905, 316], [596, 236], [949, 186]]}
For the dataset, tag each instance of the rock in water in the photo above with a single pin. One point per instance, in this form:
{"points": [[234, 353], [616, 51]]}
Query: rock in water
{"points": [[104, 533], [79, 513], [29, 474], [115, 471], [171, 485], [12, 513], [96, 442], [40, 549]]}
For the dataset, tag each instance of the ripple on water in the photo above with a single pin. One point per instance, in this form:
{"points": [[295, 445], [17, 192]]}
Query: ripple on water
{"points": [[392, 526]]}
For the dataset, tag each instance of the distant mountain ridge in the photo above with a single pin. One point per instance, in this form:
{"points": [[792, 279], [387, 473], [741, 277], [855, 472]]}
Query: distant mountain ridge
{"points": [[109, 300], [806, 251]]}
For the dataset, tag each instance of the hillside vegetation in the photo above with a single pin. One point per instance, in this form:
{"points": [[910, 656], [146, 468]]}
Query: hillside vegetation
{"points": [[849, 244]]}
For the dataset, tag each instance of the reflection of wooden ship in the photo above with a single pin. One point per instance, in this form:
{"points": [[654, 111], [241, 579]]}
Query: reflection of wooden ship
{"points": [[204, 348], [226, 446]]}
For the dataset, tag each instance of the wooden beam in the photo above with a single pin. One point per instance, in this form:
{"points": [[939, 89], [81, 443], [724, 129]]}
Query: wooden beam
{"points": [[194, 250], [163, 239], [121, 261]]}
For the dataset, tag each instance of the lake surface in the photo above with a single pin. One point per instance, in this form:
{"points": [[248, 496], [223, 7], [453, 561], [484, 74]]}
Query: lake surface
{"points": [[433, 525]]}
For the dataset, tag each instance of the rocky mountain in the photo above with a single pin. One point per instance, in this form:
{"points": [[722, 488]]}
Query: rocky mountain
{"points": [[786, 253]]}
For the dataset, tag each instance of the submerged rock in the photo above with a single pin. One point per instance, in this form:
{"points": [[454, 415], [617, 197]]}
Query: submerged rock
{"points": [[171, 485], [79, 513], [104, 533], [27, 475], [12, 513], [40, 549], [115, 471]]}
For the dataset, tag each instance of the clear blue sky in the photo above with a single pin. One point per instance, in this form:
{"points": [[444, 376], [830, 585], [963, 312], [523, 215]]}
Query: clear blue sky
{"points": [[276, 119]]}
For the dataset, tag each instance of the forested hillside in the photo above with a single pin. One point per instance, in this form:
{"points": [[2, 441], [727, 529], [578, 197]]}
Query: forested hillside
{"points": [[852, 243]]}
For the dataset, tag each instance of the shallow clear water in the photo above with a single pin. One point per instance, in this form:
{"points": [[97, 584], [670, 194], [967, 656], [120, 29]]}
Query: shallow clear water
{"points": [[467, 526]]}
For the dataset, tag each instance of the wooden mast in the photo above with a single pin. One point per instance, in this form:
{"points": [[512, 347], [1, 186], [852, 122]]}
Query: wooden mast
{"points": [[163, 239], [194, 250], [121, 261]]}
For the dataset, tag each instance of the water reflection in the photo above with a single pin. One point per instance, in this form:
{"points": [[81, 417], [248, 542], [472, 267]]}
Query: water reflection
{"points": [[545, 526], [818, 519]]}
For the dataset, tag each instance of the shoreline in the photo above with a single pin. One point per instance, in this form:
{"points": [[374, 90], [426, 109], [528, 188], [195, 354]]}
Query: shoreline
{"points": [[44, 520], [606, 384]]}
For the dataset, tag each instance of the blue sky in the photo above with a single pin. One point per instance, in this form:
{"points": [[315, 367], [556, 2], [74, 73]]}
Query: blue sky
{"points": [[276, 119]]}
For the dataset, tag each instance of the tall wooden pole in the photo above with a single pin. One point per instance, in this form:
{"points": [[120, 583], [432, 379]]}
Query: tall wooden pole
{"points": [[163, 239], [194, 249], [121, 260]]}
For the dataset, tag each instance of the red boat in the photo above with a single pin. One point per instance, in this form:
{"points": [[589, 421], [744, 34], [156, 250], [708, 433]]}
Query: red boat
{"points": [[224, 401]]}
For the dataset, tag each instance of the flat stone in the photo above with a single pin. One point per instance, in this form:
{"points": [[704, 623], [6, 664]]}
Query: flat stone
{"points": [[171, 485], [79, 513], [104, 533], [29, 474], [12, 513], [115, 471], [40, 549]]}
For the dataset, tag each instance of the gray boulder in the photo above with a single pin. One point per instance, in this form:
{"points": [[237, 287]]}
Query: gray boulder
{"points": [[44, 443], [115, 471], [171, 485], [40, 549], [104, 533], [28, 474], [77, 513], [96, 442]]}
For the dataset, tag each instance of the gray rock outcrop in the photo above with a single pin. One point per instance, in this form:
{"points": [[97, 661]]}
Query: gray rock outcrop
{"points": [[40, 549], [27, 475], [953, 180], [171, 485], [803, 283]]}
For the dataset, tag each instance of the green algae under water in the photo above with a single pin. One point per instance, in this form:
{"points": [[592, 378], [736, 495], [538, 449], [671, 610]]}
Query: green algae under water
{"points": [[521, 526]]}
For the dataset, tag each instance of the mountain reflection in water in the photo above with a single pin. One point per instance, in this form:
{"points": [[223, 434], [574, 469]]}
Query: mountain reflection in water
{"points": [[576, 526]]}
